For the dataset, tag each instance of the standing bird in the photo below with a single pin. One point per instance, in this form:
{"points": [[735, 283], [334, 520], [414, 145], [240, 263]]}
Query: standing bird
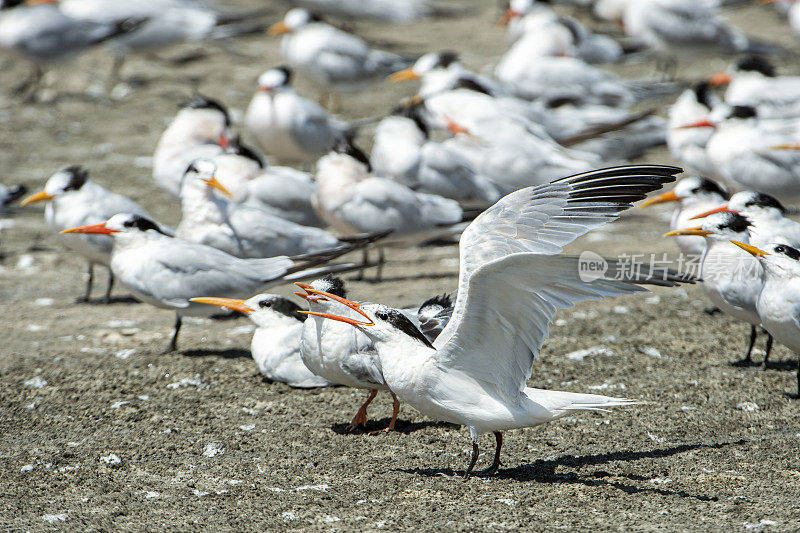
{"points": [[287, 126], [276, 340], [778, 302], [200, 129], [166, 272], [695, 195], [512, 280], [242, 230], [753, 81], [75, 200], [731, 279], [335, 60]]}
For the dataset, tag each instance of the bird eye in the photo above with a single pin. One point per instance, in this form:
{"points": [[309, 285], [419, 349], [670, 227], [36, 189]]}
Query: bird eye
{"points": [[382, 315], [780, 249], [265, 303]]}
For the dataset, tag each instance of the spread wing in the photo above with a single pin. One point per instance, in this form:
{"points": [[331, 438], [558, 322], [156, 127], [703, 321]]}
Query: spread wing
{"points": [[512, 280]]}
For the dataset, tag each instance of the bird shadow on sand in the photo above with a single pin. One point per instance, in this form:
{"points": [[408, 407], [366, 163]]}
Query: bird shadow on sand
{"points": [[544, 470], [401, 426], [786, 364], [127, 300], [227, 353]]}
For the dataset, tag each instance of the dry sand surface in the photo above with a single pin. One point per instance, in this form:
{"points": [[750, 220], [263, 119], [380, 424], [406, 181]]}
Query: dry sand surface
{"points": [[100, 432]]}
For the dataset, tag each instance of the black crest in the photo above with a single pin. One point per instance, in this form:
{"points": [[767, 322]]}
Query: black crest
{"points": [[238, 148], [702, 91], [401, 322], [283, 306], [736, 223], [788, 251], [287, 71], [203, 102], [757, 64], [413, 111], [442, 300], [346, 146], [335, 286], [77, 177], [742, 111], [711, 186], [142, 224], [761, 199], [447, 58], [471, 85]]}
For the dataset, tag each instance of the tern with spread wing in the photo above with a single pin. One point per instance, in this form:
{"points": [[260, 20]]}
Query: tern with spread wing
{"points": [[512, 280]]}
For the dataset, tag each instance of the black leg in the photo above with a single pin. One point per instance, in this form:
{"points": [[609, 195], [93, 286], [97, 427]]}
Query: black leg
{"points": [[498, 437], [110, 286], [748, 360], [88, 284], [473, 460], [767, 350], [381, 261], [173, 344], [798, 377], [364, 263]]}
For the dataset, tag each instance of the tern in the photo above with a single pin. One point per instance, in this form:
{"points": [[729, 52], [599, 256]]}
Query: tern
{"points": [[442, 71], [287, 126], [695, 195], [201, 129], [778, 305], [276, 340], [10, 194], [512, 280], [380, 10], [688, 145], [767, 216], [166, 272], [335, 60], [403, 150], [753, 81], [731, 278], [75, 200]]}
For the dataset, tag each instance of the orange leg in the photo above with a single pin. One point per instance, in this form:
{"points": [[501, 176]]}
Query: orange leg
{"points": [[395, 410], [361, 414]]}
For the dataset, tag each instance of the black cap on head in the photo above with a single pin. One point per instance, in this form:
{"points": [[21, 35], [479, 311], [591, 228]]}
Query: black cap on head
{"points": [[335, 286], [736, 223], [471, 85], [788, 251], [442, 300], [702, 91], [742, 111], [711, 186], [203, 102], [288, 72], [413, 111], [240, 149], [757, 64], [761, 199], [142, 223], [77, 177], [346, 146], [283, 306], [401, 322], [447, 58]]}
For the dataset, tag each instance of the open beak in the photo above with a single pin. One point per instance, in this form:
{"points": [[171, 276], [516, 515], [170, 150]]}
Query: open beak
{"points": [[225, 303], [789, 146], [508, 16], [455, 128], [279, 29], [306, 295], [698, 231], [662, 198], [699, 124], [213, 182], [719, 79], [406, 74], [100, 229], [38, 197], [344, 301], [723, 209], [757, 252]]}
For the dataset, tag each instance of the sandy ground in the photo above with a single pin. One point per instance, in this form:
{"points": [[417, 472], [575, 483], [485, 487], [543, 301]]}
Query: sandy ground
{"points": [[100, 432]]}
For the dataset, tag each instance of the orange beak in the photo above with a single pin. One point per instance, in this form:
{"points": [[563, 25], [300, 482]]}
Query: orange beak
{"points": [[662, 198], [306, 295], [508, 16], [279, 29], [38, 197], [455, 128], [213, 182], [97, 228], [723, 209], [223, 141], [225, 303], [698, 231], [344, 301], [757, 252], [719, 79], [788, 146], [406, 74], [699, 124]]}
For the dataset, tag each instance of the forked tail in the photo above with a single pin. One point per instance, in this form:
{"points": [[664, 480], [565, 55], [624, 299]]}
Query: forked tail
{"points": [[560, 403]]}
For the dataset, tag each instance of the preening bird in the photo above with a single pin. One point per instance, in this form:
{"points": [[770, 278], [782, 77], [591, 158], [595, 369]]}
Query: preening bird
{"points": [[75, 200], [512, 279]]}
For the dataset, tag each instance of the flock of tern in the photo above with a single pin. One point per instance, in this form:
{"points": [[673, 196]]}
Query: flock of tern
{"points": [[515, 162]]}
